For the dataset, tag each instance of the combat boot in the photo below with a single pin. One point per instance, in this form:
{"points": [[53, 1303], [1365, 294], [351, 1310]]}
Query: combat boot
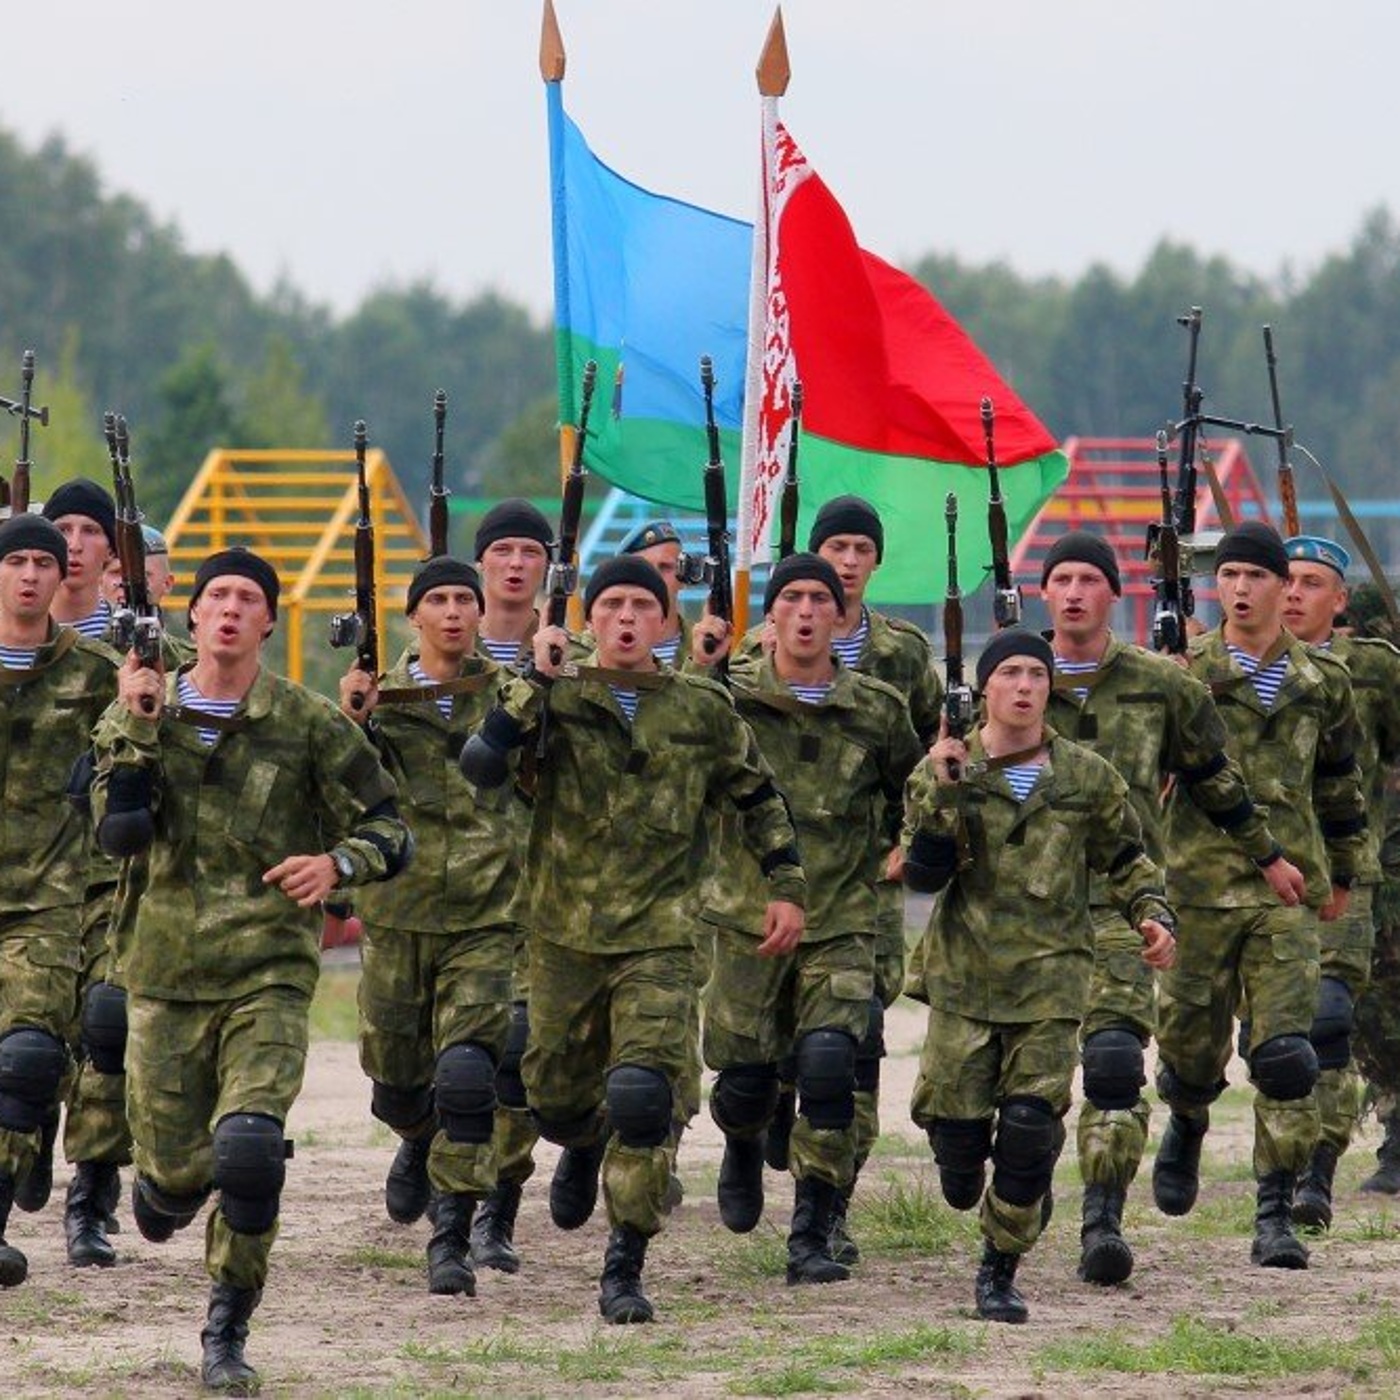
{"points": [[14, 1267], [843, 1248], [740, 1190], [1176, 1174], [493, 1230], [997, 1297], [85, 1216], [809, 1241], [1104, 1256], [33, 1189], [620, 1296], [158, 1216], [1312, 1206], [1275, 1245], [573, 1190], [109, 1199], [449, 1246], [406, 1187], [222, 1366], [778, 1134], [1385, 1180]]}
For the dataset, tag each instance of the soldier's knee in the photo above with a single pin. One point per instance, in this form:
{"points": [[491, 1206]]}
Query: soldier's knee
{"points": [[250, 1167], [579, 1131], [871, 1049], [1113, 1069], [1284, 1067], [639, 1105], [1179, 1093], [32, 1063], [181, 1206], [961, 1147], [744, 1098], [401, 1108], [510, 1086], [465, 1085], [1023, 1157], [1332, 1026], [104, 1027], [826, 1066]]}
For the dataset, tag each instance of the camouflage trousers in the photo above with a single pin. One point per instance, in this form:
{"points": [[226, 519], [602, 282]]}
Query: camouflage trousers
{"points": [[1268, 955], [189, 1064], [968, 1069], [590, 1012], [1122, 996], [421, 993], [889, 984], [515, 1131], [758, 1008], [1377, 1042], [1347, 945]]}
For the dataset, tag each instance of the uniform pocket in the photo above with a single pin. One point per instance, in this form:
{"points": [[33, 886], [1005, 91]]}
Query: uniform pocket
{"points": [[251, 806]]}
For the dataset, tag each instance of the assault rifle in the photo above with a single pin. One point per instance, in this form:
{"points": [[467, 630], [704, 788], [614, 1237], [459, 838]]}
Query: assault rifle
{"points": [[1287, 492], [959, 704], [1184, 511], [1006, 603], [787, 507], [15, 493], [563, 571], [360, 629], [136, 625], [437, 492], [1173, 590], [721, 582]]}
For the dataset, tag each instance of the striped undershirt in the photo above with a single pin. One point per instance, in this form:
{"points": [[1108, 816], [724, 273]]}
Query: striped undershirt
{"points": [[810, 694], [502, 653], [666, 651], [1267, 680], [627, 699], [18, 658], [849, 648], [94, 625], [191, 699], [1021, 777], [1076, 668], [444, 702]]}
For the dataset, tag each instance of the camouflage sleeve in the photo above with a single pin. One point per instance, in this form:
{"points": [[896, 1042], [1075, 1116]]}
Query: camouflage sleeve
{"points": [[902, 754], [1338, 798], [1114, 849], [926, 700]]}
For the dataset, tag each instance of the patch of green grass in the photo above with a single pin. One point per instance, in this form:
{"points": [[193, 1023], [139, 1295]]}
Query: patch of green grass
{"points": [[334, 1015], [893, 1145], [374, 1257], [907, 1218], [38, 1305], [761, 1255], [1219, 1216], [796, 1378]]}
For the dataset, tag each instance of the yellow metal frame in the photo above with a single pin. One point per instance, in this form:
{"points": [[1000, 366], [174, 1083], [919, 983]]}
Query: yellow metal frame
{"points": [[298, 508]]}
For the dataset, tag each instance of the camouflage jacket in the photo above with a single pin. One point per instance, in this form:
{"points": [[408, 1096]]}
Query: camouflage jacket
{"points": [[292, 776], [46, 715], [1299, 759], [616, 851], [466, 858], [1152, 720], [1010, 938], [841, 765]]}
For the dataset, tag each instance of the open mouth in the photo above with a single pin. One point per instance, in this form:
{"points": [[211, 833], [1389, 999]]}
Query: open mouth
{"points": [[627, 638]]}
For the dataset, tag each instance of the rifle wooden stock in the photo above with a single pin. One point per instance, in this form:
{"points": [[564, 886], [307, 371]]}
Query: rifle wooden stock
{"points": [[360, 629], [438, 492], [1006, 602], [136, 624], [1191, 396], [787, 507], [958, 702], [15, 492], [721, 603], [563, 572], [1169, 620], [1287, 490]]}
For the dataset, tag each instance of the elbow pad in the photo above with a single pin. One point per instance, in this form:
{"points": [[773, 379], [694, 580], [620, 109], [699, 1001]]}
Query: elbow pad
{"points": [[128, 828], [931, 862], [484, 758]]}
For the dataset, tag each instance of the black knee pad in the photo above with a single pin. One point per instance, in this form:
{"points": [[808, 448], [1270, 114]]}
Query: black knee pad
{"points": [[465, 1085], [104, 1027], [1023, 1157], [250, 1165], [1242, 1040], [1332, 1026], [639, 1105], [1284, 1068], [400, 1108], [568, 1132], [871, 1049], [961, 1147], [826, 1070], [1177, 1093], [181, 1208], [510, 1087], [1113, 1069], [744, 1098], [32, 1064]]}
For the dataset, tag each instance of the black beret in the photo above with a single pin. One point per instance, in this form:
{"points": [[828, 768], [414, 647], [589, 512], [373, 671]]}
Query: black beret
{"points": [[1080, 547], [34, 532], [244, 563], [1253, 542], [626, 568], [802, 566], [515, 519], [847, 515], [654, 532], [442, 572], [1013, 641], [83, 497]]}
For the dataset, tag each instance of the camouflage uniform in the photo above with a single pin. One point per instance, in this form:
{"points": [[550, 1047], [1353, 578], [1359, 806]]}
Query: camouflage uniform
{"points": [[1378, 1013]]}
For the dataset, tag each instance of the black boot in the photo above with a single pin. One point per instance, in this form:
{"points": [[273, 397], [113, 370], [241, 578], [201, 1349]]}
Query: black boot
{"points": [[1312, 1206], [573, 1191], [1176, 1174], [1104, 1256], [1275, 1244], [109, 1200], [997, 1296], [157, 1216], [1385, 1180], [14, 1267], [449, 1246], [222, 1367], [493, 1230], [33, 1189], [778, 1134], [85, 1216], [740, 1189], [809, 1241], [406, 1187], [843, 1248], [620, 1296]]}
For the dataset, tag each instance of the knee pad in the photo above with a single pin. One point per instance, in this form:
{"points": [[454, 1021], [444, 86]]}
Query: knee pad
{"points": [[1242, 1040], [32, 1063], [1332, 1026], [400, 1108], [1175, 1092], [871, 1049], [250, 1165], [568, 1132], [1285, 1067], [183, 1208], [510, 1087], [1023, 1157], [961, 1147], [639, 1105], [826, 1068], [1113, 1069], [465, 1085], [104, 1027], [744, 1098]]}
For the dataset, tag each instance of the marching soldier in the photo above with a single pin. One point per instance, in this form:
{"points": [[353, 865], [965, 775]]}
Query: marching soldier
{"points": [[87, 517]]}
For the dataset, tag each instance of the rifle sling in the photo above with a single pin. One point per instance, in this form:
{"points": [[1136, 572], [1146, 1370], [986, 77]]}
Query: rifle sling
{"points": [[627, 680], [65, 642], [422, 694], [199, 719], [1007, 760], [1217, 491]]}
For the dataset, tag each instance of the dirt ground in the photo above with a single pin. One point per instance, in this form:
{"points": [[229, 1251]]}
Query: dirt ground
{"points": [[347, 1311]]}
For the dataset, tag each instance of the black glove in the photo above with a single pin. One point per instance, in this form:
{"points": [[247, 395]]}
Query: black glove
{"points": [[485, 757], [128, 828], [931, 862]]}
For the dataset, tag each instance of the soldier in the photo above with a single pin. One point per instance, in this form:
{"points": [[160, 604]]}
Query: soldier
{"points": [[1153, 721], [159, 581], [632, 755], [1292, 728], [1316, 596], [658, 543], [1009, 825], [53, 687], [255, 800], [87, 517], [438, 944], [841, 745], [513, 545]]}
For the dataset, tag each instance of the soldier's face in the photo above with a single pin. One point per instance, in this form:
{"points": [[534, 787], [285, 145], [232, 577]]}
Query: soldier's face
{"points": [[446, 619], [854, 558], [627, 622], [1251, 597], [804, 615], [1314, 596], [1017, 692], [112, 590], [159, 579], [29, 578], [663, 557], [230, 618], [1079, 599], [512, 571], [88, 550]]}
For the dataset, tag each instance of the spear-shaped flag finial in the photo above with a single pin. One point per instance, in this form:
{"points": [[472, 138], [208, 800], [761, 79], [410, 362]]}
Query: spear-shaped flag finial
{"points": [[552, 56], [774, 71]]}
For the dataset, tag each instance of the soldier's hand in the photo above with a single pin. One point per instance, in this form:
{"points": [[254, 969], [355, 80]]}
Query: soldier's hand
{"points": [[1336, 906], [948, 755], [1286, 881], [305, 879], [894, 865], [141, 688], [720, 636], [549, 641], [783, 924], [1158, 944], [356, 682], [340, 930], [768, 639]]}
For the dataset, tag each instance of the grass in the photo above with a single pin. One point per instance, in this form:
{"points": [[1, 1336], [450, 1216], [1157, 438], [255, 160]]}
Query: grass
{"points": [[908, 1217], [371, 1256], [334, 1015]]}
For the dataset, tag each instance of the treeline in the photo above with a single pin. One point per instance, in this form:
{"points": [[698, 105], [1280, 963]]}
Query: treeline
{"points": [[122, 315]]}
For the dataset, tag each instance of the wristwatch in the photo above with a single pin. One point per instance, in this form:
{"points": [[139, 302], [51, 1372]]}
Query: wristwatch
{"points": [[345, 867]]}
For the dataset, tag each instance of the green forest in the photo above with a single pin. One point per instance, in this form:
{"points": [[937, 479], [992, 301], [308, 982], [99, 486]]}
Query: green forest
{"points": [[121, 315]]}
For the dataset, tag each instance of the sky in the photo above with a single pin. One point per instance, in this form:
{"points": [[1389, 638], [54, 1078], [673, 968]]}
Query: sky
{"points": [[346, 146]]}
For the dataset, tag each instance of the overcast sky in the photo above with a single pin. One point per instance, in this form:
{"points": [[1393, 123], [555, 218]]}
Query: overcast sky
{"points": [[348, 145]]}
